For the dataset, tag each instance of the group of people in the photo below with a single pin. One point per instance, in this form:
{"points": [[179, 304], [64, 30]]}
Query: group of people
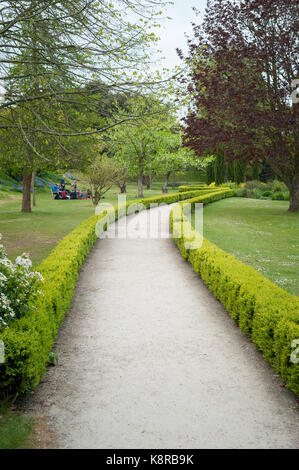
{"points": [[60, 191]]}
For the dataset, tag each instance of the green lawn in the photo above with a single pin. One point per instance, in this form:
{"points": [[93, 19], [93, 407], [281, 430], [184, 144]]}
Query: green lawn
{"points": [[261, 233], [16, 429], [39, 232]]}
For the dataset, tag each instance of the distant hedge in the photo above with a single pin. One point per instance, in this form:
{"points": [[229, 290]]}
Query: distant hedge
{"points": [[29, 340], [183, 189], [264, 312]]}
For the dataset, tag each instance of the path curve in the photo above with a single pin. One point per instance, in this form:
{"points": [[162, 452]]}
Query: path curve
{"points": [[149, 359]]}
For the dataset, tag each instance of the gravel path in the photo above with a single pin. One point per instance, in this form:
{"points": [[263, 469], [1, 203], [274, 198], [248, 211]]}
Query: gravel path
{"points": [[149, 359]]}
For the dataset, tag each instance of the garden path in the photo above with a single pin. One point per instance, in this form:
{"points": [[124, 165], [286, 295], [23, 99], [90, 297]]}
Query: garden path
{"points": [[149, 359]]}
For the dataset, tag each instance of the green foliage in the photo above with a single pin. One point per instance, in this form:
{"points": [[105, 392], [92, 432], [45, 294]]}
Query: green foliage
{"points": [[255, 172], [210, 173], [100, 176], [278, 186], [239, 171], [219, 169], [278, 196], [263, 311], [19, 287], [266, 194], [148, 142], [240, 192], [255, 189], [230, 171], [183, 189], [29, 340]]}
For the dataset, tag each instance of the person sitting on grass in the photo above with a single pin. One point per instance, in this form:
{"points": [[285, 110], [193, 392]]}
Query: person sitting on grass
{"points": [[55, 188], [64, 195]]}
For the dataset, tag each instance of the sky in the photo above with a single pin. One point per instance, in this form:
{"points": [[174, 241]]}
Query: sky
{"points": [[172, 31]]}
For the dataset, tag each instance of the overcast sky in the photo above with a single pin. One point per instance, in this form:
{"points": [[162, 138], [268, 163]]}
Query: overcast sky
{"points": [[172, 32]]}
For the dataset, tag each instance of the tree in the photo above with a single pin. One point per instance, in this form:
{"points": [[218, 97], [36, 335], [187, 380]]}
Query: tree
{"points": [[48, 52], [230, 171], [219, 169], [174, 160], [100, 177], [239, 171], [137, 144], [27, 154], [255, 172], [242, 62]]}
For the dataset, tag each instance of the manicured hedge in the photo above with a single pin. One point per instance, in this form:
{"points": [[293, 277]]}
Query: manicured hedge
{"points": [[183, 189], [264, 312], [29, 340]]}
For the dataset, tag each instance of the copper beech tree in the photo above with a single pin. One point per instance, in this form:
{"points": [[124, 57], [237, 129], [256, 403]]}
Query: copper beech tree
{"points": [[242, 75]]}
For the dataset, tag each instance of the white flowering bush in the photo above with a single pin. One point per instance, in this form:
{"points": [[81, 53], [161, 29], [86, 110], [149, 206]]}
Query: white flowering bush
{"points": [[19, 287]]}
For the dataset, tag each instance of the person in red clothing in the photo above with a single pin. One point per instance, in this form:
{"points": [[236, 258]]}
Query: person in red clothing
{"points": [[63, 195]]}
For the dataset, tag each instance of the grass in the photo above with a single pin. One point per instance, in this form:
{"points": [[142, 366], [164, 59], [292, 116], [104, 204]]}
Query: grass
{"points": [[16, 429], [39, 232], [260, 233]]}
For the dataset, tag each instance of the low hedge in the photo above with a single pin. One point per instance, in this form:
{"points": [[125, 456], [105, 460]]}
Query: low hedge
{"points": [[29, 340], [266, 313], [183, 189]]}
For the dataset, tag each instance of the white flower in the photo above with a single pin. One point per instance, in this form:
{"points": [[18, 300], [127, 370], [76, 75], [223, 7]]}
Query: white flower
{"points": [[24, 262], [39, 276], [17, 286], [3, 277]]}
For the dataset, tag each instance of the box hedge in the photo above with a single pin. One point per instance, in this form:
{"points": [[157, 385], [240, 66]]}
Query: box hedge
{"points": [[29, 340], [266, 313]]}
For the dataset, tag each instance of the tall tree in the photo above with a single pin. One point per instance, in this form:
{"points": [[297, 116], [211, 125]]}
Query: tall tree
{"points": [[243, 61], [138, 144], [48, 52]]}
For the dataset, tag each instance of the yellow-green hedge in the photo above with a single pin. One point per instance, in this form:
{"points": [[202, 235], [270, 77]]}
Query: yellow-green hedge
{"points": [[183, 189], [264, 312], [29, 340]]}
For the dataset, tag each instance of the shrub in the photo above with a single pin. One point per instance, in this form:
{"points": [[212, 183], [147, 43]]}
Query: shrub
{"points": [[30, 338], [192, 187], [273, 186], [19, 287], [254, 184], [240, 192], [266, 194], [230, 185], [253, 193], [279, 186], [265, 312], [278, 196]]}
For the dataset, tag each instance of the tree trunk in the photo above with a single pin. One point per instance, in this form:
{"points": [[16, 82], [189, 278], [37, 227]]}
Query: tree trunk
{"points": [[26, 201], [151, 179], [167, 178], [33, 190], [123, 188], [96, 198], [294, 194], [147, 180], [140, 189]]}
